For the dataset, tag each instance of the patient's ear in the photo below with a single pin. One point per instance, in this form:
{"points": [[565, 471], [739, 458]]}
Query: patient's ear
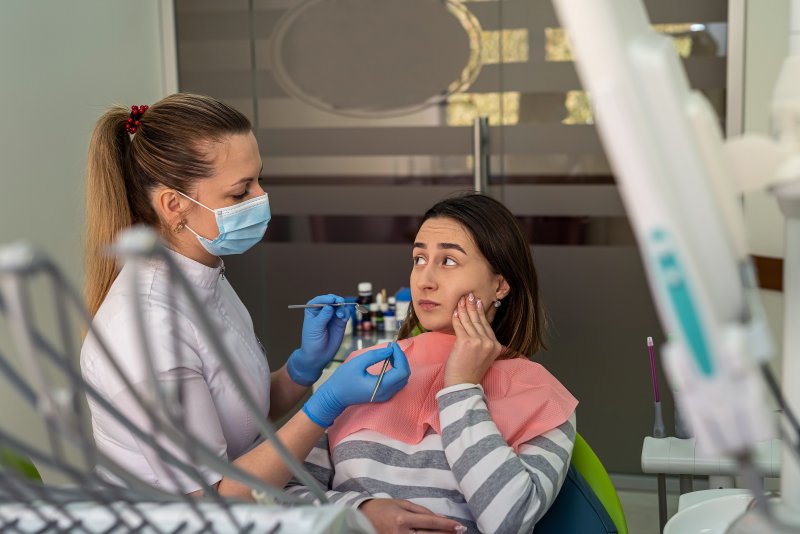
{"points": [[503, 288]]}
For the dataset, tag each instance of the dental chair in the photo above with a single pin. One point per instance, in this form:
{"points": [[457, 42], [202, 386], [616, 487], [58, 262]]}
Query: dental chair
{"points": [[10, 461], [587, 502]]}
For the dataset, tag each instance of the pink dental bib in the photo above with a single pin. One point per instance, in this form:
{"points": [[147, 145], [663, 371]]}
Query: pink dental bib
{"points": [[524, 399]]}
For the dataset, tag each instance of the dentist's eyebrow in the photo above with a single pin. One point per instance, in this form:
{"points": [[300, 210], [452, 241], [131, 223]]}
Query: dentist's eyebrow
{"points": [[242, 181], [249, 178]]}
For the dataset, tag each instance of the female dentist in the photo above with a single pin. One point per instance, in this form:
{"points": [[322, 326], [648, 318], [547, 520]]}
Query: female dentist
{"points": [[189, 166]]}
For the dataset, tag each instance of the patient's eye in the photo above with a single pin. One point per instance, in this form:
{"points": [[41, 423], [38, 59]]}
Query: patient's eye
{"points": [[449, 261], [418, 260]]}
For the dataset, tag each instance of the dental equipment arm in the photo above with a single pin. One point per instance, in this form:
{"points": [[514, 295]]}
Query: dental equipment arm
{"points": [[94, 503], [666, 149], [676, 179], [773, 164]]}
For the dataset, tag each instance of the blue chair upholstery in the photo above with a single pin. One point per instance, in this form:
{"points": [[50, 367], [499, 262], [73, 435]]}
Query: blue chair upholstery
{"points": [[576, 510]]}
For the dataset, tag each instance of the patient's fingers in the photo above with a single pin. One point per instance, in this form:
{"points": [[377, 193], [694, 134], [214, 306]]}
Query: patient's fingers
{"points": [[474, 315], [466, 320], [429, 522], [401, 516], [458, 328], [484, 321], [433, 521], [413, 507]]}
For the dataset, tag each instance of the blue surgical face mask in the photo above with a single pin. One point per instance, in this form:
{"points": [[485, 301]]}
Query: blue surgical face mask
{"points": [[240, 226]]}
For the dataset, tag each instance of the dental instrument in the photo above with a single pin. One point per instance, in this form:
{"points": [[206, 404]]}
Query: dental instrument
{"points": [[359, 307], [383, 372], [380, 377]]}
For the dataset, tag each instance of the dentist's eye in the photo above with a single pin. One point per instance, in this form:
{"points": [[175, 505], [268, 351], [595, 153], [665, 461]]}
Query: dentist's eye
{"points": [[418, 260], [247, 189], [449, 262]]}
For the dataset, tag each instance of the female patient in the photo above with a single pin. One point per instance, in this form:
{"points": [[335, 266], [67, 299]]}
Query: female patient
{"points": [[481, 437]]}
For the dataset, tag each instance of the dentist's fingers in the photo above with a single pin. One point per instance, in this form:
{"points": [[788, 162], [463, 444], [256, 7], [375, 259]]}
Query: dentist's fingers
{"points": [[396, 378], [325, 299], [400, 368], [343, 313], [371, 357], [336, 332], [321, 299], [387, 390], [320, 316]]}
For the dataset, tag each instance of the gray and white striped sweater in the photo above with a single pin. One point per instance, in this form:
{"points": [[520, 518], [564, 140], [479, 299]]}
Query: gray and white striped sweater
{"points": [[469, 473]]}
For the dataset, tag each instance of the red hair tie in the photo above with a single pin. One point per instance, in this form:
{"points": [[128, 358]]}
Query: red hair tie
{"points": [[135, 120]]}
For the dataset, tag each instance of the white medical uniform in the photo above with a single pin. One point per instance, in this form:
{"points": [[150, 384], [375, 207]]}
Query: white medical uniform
{"points": [[214, 409]]}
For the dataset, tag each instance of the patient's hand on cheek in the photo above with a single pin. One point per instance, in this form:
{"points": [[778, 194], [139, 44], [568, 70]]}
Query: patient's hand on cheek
{"points": [[475, 348]]}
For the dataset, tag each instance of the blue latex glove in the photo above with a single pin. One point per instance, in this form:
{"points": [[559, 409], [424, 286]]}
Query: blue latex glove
{"points": [[352, 384], [323, 330]]}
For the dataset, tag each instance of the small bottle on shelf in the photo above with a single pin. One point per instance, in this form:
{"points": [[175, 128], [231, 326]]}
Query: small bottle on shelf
{"points": [[363, 320], [389, 318], [376, 319]]}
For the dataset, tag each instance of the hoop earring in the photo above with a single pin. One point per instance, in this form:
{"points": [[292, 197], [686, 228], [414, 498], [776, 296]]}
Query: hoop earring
{"points": [[180, 226], [497, 303]]}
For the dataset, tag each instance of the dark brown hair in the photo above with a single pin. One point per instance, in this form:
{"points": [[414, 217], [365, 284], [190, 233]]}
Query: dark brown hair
{"points": [[519, 322], [169, 149]]}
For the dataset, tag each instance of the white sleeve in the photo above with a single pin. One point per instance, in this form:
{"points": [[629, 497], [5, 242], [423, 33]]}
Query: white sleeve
{"points": [[172, 342], [200, 424], [174, 347]]}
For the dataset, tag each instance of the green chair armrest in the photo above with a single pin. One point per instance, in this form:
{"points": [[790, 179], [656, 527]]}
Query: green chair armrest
{"points": [[14, 462], [591, 469]]}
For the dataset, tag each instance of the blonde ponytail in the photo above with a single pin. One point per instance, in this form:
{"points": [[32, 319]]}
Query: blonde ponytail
{"points": [[167, 150], [107, 207]]}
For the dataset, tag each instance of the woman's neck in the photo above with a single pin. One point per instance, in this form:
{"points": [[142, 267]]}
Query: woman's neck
{"points": [[196, 252]]}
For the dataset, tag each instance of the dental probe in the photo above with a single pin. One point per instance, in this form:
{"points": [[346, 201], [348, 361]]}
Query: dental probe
{"points": [[358, 306], [383, 372]]}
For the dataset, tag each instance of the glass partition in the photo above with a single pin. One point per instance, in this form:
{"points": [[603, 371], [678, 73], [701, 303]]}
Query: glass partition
{"points": [[364, 112]]}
